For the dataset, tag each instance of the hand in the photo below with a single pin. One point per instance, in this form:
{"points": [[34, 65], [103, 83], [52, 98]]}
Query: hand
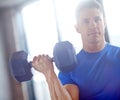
{"points": [[43, 64]]}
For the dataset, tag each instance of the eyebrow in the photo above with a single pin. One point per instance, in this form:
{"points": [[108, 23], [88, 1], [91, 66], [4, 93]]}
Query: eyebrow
{"points": [[97, 17]]}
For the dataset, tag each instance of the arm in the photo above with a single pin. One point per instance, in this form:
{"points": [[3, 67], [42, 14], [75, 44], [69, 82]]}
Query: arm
{"points": [[57, 90], [73, 91], [60, 92]]}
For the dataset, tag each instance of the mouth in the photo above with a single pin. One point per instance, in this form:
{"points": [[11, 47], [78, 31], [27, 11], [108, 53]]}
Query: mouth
{"points": [[93, 33]]}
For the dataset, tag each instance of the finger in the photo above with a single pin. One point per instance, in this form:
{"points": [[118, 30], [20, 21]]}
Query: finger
{"points": [[47, 58], [43, 58], [39, 57], [34, 59]]}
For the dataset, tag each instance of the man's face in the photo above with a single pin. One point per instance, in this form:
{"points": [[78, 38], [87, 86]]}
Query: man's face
{"points": [[91, 25]]}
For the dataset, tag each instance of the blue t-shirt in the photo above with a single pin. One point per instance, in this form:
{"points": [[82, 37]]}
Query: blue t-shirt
{"points": [[97, 75]]}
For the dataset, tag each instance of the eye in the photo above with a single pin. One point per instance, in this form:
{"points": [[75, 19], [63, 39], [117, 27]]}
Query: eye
{"points": [[97, 19], [86, 21]]}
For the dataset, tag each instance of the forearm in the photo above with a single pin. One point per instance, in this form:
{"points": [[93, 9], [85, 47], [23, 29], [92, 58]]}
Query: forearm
{"points": [[57, 90], [42, 63]]}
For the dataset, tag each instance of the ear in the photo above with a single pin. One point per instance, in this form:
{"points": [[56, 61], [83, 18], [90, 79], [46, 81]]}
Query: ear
{"points": [[77, 28]]}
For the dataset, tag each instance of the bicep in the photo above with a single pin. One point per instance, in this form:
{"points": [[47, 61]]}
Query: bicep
{"points": [[73, 91]]}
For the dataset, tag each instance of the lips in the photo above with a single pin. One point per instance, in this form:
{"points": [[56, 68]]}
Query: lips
{"points": [[93, 32]]}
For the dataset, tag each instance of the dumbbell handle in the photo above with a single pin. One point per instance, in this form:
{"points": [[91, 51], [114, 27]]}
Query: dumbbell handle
{"points": [[20, 67]]}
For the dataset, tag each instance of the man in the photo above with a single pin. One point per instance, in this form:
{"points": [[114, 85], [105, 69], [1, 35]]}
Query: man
{"points": [[97, 75]]}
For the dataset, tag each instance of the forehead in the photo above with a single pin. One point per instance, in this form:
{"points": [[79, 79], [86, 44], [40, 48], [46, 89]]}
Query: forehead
{"points": [[90, 13]]}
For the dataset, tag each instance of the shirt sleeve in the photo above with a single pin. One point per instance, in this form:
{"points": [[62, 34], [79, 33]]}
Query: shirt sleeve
{"points": [[65, 78]]}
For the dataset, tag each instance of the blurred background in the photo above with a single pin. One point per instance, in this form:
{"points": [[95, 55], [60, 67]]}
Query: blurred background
{"points": [[36, 26]]}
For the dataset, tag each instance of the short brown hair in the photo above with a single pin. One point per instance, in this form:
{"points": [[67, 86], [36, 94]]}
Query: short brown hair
{"points": [[88, 4]]}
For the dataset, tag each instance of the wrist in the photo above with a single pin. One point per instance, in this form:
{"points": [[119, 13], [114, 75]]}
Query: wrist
{"points": [[50, 76]]}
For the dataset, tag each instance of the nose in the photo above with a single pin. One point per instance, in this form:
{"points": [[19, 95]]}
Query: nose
{"points": [[92, 24]]}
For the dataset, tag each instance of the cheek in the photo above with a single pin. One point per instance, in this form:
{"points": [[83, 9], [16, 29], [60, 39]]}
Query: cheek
{"points": [[102, 29], [85, 30], [82, 29], [84, 33]]}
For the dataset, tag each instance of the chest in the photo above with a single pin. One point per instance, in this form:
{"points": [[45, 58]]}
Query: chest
{"points": [[98, 75]]}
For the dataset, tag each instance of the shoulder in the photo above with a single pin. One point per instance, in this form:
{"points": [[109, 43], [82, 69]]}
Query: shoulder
{"points": [[112, 47], [113, 50]]}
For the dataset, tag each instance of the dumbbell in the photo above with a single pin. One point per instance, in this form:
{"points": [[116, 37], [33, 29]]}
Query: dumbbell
{"points": [[64, 57]]}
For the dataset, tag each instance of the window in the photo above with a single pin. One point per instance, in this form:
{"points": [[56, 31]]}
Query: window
{"points": [[113, 19], [47, 22]]}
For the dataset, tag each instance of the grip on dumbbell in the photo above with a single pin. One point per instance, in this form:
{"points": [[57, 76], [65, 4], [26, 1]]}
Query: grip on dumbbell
{"points": [[64, 58]]}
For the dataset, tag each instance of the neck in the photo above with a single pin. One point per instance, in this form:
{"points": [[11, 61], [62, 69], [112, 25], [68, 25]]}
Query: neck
{"points": [[96, 47]]}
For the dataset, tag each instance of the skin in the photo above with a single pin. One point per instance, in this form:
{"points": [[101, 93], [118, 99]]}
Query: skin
{"points": [[91, 26], [43, 64]]}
